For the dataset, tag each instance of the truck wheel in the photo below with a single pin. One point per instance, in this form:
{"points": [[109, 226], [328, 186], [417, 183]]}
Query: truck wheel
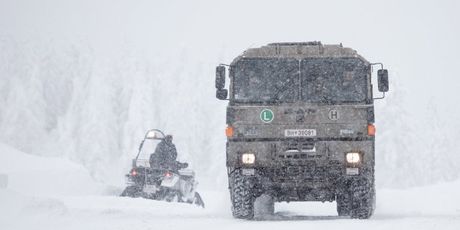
{"points": [[362, 200], [343, 204], [241, 196]]}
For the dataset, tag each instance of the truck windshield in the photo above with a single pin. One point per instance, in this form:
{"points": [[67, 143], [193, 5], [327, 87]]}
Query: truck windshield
{"points": [[315, 80], [265, 80], [330, 80]]}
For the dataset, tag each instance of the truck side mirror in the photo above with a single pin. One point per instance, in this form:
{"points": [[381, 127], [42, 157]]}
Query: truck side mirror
{"points": [[220, 77], [221, 94], [382, 75], [133, 163]]}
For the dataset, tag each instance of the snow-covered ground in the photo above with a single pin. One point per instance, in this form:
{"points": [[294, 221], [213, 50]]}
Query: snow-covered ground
{"points": [[53, 193]]}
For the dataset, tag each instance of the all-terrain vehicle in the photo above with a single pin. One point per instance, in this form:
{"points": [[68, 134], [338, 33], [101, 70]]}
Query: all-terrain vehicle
{"points": [[172, 184], [300, 127]]}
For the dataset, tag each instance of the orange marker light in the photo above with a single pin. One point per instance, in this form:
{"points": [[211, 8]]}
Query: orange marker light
{"points": [[371, 130], [229, 131]]}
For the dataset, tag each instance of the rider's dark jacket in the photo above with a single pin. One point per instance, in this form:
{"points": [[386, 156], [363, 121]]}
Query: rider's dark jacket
{"points": [[164, 156]]}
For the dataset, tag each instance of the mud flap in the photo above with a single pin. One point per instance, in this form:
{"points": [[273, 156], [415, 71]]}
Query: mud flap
{"points": [[264, 207]]}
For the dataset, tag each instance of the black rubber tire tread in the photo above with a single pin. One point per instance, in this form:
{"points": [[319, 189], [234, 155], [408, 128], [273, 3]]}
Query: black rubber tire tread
{"points": [[198, 200], [343, 204], [362, 200], [169, 195], [241, 196], [131, 191]]}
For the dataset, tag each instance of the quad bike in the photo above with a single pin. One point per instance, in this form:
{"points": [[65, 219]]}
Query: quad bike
{"points": [[172, 184]]}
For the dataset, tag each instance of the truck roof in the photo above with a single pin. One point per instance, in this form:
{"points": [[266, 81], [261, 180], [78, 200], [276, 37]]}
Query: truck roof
{"points": [[300, 50]]}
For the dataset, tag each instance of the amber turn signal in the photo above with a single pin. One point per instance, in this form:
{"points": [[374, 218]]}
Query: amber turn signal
{"points": [[229, 131], [370, 130]]}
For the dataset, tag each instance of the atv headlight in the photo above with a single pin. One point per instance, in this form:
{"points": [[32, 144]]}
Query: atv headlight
{"points": [[353, 158], [248, 158]]}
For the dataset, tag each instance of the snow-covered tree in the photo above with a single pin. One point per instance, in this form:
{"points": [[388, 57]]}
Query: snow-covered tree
{"points": [[397, 141], [439, 156]]}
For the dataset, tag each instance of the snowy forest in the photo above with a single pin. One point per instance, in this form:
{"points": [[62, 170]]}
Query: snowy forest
{"points": [[83, 81], [64, 100]]}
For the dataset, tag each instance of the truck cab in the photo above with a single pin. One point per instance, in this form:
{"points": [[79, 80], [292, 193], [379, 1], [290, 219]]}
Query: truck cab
{"points": [[300, 127]]}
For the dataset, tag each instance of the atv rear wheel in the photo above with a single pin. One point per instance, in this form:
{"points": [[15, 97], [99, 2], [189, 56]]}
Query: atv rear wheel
{"points": [[132, 191], [241, 193], [172, 196]]}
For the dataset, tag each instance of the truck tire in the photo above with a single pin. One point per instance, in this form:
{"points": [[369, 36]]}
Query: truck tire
{"points": [[241, 196], [343, 204], [362, 200]]}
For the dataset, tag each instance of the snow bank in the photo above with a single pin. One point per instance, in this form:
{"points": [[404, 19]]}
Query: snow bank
{"points": [[435, 200], [53, 193], [418, 208], [48, 176], [35, 185]]}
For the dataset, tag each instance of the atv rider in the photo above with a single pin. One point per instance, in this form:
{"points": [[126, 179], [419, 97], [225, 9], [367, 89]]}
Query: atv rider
{"points": [[165, 155]]}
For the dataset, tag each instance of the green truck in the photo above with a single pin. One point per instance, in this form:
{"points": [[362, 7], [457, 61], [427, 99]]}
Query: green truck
{"points": [[300, 127]]}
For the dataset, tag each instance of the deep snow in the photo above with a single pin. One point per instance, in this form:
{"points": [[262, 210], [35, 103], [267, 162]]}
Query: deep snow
{"points": [[53, 193]]}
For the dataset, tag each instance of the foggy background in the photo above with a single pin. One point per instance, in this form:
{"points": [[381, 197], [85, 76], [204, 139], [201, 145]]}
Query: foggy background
{"points": [[85, 79]]}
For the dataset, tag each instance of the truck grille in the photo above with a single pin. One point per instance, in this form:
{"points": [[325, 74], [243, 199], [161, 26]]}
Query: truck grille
{"points": [[308, 170], [299, 150]]}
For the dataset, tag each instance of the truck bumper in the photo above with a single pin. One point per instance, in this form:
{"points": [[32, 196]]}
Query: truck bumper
{"points": [[324, 186], [315, 176]]}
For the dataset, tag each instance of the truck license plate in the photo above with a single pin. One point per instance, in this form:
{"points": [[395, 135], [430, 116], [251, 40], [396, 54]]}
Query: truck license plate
{"points": [[149, 188], [352, 171], [300, 133], [248, 172]]}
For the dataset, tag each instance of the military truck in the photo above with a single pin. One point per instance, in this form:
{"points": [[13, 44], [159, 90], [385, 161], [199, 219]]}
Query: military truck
{"points": [[300, 127]]}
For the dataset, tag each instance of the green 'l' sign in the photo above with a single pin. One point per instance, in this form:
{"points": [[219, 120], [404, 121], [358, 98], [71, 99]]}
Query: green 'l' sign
{"points": [[266, 115]]}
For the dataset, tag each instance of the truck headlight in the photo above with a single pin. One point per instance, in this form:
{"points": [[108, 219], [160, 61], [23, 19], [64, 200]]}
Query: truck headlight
{"points": [[353, 158], [248, 158]]}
